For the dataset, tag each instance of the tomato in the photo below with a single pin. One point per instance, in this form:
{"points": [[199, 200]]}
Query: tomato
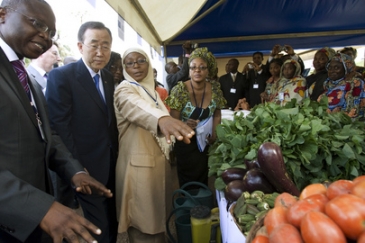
{"points": [[299, 209], [359, 178], [361, 238], [285, 233], [260, 239], [274, 218], [316, 227], [285, 199], [320, 199], [338, 188], [312, 189], [348, 212], [359, 189]]}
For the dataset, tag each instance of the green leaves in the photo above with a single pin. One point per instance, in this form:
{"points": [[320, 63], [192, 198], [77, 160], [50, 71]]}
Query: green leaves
{"points": [[316, 146]]}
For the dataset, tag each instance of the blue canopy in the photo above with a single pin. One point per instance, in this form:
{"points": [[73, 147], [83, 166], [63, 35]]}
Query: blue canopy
{"points": [[241, 27]]}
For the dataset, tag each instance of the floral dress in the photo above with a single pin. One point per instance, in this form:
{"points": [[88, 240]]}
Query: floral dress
{"points": [[192, 165]]}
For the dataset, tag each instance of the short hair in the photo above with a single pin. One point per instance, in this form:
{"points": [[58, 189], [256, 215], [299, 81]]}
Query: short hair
{"points": [[91, 25], [235, 61], [113, 57], [278, 61], [15, 3], [258, 52]]}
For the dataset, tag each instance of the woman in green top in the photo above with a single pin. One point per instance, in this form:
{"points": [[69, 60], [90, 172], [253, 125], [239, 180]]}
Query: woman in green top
{"points": [[198, 103]]}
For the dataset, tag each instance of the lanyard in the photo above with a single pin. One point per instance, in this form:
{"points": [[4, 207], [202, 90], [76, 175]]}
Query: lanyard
{"points": [[154, 99]]}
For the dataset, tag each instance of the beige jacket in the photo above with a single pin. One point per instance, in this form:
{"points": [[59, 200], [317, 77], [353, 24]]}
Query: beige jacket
{"points": [[143, 174]]}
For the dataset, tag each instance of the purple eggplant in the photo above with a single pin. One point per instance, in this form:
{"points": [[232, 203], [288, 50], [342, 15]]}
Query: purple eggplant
{"points": [[251, 164], [271, 162], [255, 180], [232, 174], [234, 190]]}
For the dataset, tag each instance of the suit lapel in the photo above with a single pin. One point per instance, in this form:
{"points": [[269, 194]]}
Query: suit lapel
{"points": [[10, 77], [87, 82]]}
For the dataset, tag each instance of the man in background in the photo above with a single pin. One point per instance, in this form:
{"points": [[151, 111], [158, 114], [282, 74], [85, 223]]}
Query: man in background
{"points": [[233, 84], [176, 73]]}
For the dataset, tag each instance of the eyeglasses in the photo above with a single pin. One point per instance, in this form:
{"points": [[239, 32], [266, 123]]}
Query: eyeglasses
{"points": [[94, 47], [139, 62], [38, 25], [201, 68]]}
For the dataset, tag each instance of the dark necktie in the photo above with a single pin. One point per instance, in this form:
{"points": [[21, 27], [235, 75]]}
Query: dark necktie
{"points": [[96, 81], [22, 75]]}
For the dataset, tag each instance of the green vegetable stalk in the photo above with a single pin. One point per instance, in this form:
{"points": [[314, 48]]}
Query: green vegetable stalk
{"points": [[316, 145]]}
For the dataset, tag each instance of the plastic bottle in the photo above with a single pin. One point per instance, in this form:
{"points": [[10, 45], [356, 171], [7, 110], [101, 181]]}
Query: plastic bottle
{"points": [[201, 221]]}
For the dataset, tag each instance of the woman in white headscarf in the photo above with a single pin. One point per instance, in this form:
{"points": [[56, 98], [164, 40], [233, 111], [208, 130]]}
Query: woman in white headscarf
{"points": [[143, 171]]}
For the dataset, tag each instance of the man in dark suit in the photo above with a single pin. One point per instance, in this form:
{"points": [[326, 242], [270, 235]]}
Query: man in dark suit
{"points": [[233, 84], [28, 147], [80, 102]]}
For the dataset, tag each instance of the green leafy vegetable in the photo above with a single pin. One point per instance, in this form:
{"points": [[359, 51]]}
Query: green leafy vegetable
{"points": [[316, 145]]}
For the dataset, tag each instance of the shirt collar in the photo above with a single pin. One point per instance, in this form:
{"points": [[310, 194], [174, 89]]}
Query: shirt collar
{"points": [[9, 52], [92, 73]]}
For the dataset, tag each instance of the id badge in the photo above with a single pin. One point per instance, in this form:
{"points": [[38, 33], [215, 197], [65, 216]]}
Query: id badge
{"points": [[255, 86], [281, 96], [233, 90]]}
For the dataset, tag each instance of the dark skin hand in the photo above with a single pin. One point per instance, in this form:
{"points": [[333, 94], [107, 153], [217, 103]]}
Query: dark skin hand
{"points": [[171, 126], [61, 222]]}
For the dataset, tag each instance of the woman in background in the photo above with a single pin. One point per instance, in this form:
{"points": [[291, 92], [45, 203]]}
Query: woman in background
{"points": [[115, 66], [315, 81], [344, 87], [143, 172], [198, 103], [274, 69]]}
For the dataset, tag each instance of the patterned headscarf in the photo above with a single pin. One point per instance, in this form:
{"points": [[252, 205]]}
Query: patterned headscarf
{"points": [[328, 51], [298, 69], [346, 61], [208, 57]]}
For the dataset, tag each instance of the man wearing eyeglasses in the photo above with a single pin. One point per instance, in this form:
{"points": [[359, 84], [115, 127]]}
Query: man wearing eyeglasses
{"points": [[80, 101], [28, 146]]}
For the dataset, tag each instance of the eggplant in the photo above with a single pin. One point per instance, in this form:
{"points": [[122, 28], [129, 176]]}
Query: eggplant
{"points": [[251, 164], [255, 180], [271, 161], [232, 174], [234, 190]]}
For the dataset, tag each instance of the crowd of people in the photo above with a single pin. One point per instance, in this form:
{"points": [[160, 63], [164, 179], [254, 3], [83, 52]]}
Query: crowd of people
{"points": [[99, 132]]}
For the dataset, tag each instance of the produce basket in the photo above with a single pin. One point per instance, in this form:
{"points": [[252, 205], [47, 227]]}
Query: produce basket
{"points": [[231, 210], [256, 227]]}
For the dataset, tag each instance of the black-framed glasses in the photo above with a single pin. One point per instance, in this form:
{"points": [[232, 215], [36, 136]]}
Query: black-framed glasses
{"points": [[201, 68], [37, 24], [94, 47], [139, 62]]}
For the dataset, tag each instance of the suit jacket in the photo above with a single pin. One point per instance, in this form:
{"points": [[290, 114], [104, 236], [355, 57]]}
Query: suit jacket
{"points": [[181, 75], [256, 85], [85, 123], [239, 85], [37, 76], [25, 187]]}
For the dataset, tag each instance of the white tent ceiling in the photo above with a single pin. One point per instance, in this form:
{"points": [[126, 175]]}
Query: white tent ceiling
{"points": [[156, 24]]}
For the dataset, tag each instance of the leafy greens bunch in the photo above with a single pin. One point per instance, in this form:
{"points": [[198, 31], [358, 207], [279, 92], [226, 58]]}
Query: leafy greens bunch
{"points": [[317, 146]]}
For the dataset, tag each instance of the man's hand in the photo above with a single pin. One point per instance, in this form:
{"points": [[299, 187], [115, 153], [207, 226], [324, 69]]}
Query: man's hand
{"points": [[61, 222], [84, 183], [171, 126]]}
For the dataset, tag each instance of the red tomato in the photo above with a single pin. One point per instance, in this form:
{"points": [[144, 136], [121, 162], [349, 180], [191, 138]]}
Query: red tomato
{"points": [[359, 189], [299, 209], [359, 178], [274, 218], [338, 188], [285, 233], [285, 199], [316, 227], [361, 238], [312, 189], [320, 199], [260, 239], [347, 211]]}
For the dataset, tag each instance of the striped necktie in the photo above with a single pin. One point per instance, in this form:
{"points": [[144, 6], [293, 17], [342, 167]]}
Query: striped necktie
{"points": [[18, 66]]}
